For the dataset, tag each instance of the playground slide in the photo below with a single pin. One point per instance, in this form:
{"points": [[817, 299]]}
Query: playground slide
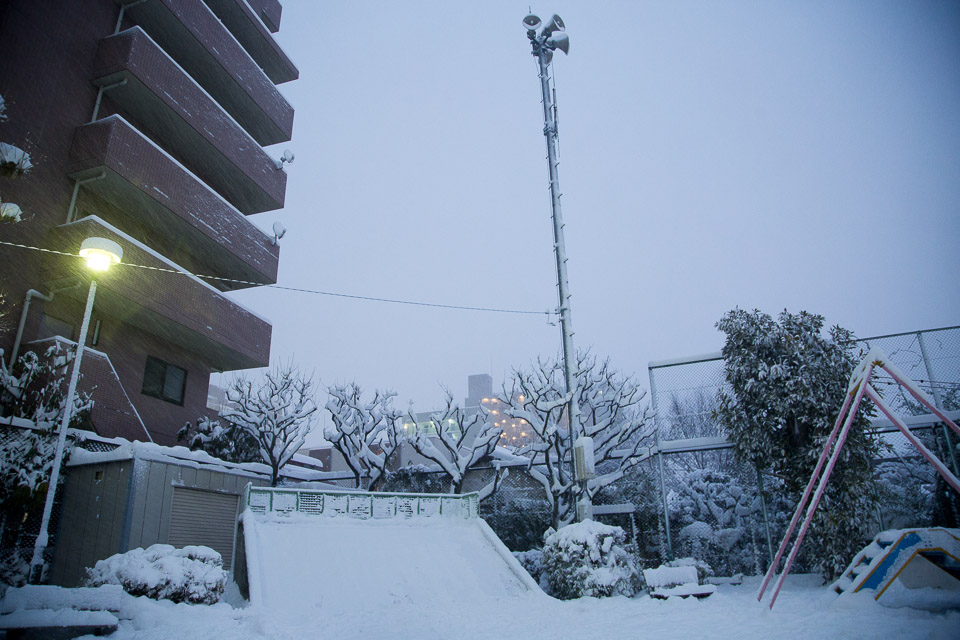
{"points": [[377, 549], [916, 557]]}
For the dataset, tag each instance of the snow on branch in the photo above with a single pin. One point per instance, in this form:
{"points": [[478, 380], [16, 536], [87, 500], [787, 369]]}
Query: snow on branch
{"points": [[461, 441], [277, 412], [365, 433], [610, 413]]}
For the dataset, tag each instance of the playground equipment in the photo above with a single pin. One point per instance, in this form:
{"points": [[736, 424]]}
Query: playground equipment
{"points": [[309, 552], [859, 387], [916, 557]]}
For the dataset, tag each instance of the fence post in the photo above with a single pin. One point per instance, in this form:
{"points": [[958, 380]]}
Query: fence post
{"points": [[766, 520], [938, 400], [663, 490]]}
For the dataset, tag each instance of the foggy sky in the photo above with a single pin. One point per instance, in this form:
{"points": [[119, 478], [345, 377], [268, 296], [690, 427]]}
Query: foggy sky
{"points": [[763, 155]]}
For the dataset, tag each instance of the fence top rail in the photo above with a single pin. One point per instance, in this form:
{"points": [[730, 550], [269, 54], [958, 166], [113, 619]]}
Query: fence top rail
{"points": [[674, 362], [717, 355], [356, 493]]}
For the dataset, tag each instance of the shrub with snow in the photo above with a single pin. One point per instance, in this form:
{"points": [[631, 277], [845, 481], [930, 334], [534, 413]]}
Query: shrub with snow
{"points": [[14, 161], [588, 559], [532, 561], [193, 574], [10, 212], [704, 570]]}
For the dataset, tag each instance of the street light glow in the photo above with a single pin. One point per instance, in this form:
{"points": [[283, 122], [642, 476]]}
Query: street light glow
{"points": [[100, 253]]}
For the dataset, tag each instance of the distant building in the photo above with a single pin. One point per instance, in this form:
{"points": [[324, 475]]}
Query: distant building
{"points": [[146, 123], [480, 394], [479, 387]]}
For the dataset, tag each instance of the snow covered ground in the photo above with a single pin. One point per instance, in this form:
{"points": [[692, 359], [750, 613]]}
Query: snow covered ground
{"points": [[804, 611], [444, 578]]}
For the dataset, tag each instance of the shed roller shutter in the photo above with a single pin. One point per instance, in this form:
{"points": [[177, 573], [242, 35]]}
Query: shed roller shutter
{"points": [[204, 518]]}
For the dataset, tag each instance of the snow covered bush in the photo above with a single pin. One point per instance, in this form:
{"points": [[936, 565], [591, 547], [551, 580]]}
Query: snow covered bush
{"points": [[14, 161], [10, 212], [26, 459], [34, 391], [227, 442], [518, 518], [786, 383], [588, 559], [193, 574], [719, 519], [704, 570], [532, 561], [416, 478], [35, 388]]}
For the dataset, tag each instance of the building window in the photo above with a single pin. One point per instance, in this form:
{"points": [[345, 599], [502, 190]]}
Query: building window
{"points": [[164, 380]]}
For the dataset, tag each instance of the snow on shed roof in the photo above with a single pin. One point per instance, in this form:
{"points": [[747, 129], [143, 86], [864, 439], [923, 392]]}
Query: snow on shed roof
{"points": [[182, 456]]}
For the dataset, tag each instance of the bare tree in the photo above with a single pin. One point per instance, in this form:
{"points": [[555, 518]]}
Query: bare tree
{"points": [[365, 433], [277, 413], [461, 442], [610, 413]]}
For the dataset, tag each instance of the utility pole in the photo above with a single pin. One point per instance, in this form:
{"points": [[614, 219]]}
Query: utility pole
{"points": [[544, 44]]}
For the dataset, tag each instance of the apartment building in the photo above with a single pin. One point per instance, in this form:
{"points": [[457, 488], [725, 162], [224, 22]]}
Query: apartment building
{"points": [[146, 123]]}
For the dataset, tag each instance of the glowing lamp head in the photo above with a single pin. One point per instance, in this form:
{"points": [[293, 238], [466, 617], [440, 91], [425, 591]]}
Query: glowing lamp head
{"points": [[100, 253]]}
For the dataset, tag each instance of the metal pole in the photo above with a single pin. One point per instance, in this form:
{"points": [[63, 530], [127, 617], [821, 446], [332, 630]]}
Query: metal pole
{"points": [[766, 520], [663, 489], [939, 400], [542, 52], [36, 563], [663, 498]]}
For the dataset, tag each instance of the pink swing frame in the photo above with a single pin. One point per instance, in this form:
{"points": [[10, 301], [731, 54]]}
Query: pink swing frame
{"points": [[858, 387]]}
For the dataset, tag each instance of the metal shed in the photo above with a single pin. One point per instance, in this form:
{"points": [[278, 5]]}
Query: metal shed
{"points": [[142, 494]]}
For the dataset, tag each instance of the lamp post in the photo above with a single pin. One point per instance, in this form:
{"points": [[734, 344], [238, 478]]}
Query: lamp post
{"points": [[100, 254], [550, 38]]}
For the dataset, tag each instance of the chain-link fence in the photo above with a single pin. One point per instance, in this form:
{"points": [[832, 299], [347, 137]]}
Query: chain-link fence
{"points": [[704, 489], [26, 454]]}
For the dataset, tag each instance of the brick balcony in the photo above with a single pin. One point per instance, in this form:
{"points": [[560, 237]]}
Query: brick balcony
{"points": [[175, 307], [152, 196], [191, 125], [250, 30], [196, 38]]}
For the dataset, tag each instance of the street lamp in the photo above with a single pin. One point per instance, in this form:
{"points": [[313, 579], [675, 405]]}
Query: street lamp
{"points": [[100, 254], [551, 38]]}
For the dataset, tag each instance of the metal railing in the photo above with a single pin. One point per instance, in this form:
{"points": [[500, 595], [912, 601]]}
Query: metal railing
{"points": [[360, 504]]}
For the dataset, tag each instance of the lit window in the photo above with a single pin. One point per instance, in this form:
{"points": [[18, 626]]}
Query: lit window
{"points": [[164, 381]]}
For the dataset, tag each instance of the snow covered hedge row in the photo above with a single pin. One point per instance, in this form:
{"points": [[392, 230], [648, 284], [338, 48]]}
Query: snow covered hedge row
{"points": [[587, 559], [193, 574]]}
